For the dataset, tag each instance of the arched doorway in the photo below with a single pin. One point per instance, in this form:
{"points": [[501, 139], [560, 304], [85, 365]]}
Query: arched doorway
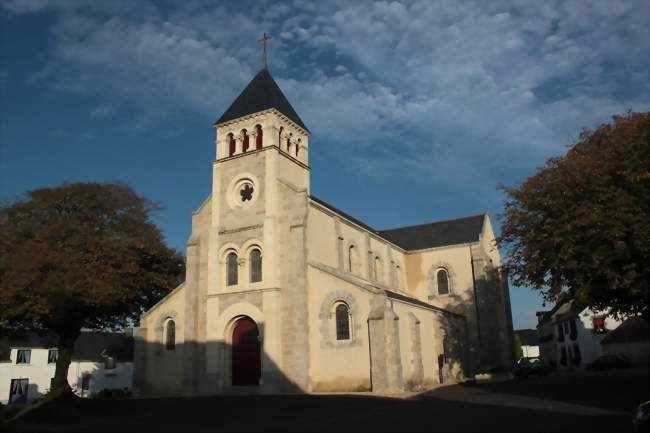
{"points": [[246, 359]]}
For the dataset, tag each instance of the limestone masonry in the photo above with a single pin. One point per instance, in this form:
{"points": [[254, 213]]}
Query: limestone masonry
{"points": [[286, 293]]}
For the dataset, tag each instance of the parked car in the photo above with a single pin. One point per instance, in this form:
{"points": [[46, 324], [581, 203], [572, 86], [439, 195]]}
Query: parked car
{"points": [[608, 362], [528, 366]]}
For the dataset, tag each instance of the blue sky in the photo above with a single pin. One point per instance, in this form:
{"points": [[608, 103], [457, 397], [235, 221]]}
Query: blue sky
{"points": [[418, 109]]}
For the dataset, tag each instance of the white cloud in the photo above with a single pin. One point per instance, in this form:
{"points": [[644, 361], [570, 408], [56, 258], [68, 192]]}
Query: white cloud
{"points": [[438, 84], [102, 111]]}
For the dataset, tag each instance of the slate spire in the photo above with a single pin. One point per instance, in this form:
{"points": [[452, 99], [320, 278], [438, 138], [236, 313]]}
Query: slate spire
{"points": [[261, 94]]}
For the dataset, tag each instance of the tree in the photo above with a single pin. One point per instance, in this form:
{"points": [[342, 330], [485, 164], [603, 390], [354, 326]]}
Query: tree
{"points": [[84, 255], [579, 229]]}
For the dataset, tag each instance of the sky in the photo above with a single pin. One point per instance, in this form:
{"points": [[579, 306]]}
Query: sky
{"points": [[418, 109]]}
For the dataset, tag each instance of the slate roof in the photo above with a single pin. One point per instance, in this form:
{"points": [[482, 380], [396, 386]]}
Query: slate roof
{"points": [[528, 337], [436, 234], [5, 351], [636, 329], [422, 236], [261, 94], [88, 347]]}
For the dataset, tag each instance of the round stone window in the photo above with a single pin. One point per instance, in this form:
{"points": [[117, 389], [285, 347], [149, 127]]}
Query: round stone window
{"points": [[246, 191], [243, 192]]}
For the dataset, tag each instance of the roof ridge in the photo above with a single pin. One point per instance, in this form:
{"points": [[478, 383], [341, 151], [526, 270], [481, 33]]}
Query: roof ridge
{"points": [[431, 222], [344, 214]]}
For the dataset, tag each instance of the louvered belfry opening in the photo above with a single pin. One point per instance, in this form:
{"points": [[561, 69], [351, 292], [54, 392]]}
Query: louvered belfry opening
{"points": [[259, 137]]}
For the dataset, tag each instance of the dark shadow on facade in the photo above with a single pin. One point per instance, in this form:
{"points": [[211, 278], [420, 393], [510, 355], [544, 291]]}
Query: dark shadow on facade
{"points": [[185, 371], [483, 338]]}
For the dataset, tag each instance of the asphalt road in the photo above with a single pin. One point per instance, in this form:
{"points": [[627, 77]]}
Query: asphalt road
{"points": [[599, 402]]}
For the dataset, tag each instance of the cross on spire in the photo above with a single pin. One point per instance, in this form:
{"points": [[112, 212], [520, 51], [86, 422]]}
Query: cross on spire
{"points": [[263, 40]]}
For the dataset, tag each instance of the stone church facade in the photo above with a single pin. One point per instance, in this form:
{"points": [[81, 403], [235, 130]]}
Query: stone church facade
{"points": [[286, 293]]}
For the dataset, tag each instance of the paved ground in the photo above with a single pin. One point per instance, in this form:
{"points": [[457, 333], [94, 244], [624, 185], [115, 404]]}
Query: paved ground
{"points": [[596, 402]]}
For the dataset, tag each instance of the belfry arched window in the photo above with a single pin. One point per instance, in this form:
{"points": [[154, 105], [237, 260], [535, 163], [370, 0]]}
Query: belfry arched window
{"points": [[297, 147], [443, 282], [258, 137], [231, 269], [255, 260], [342, 313], [245, 140], [170, 335], [280, 137], [232, 145]]}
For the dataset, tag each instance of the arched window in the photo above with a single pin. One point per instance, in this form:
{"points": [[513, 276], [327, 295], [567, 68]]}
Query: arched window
{"points": [[280, 137], [443, 282], [288, 145], [297, 147], [342, 322], [231, 269], [245, 140], [170, 335], [232, 144], [255, 266], [258, 137]]}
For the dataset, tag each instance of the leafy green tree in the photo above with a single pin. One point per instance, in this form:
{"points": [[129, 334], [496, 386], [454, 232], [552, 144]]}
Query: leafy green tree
{"points": [[84, 255], [579, 229]]}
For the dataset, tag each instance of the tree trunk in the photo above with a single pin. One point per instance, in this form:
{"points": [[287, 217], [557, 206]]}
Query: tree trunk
{"points": [[66, 342]]}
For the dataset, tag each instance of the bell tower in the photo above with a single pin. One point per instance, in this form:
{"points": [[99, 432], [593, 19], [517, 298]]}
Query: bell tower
{"points": [[256, 263], [261, 116]]}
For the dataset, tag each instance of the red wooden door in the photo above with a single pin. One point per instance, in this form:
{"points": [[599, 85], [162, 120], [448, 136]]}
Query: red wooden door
{"points": [[246, 359]]}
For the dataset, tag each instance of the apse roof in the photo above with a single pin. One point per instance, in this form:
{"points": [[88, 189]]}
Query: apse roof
{"points": [[261, 94]]}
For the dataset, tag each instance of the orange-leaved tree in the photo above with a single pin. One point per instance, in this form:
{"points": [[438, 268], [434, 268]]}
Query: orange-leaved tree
{"points": [[579, 228], [82, 255]]}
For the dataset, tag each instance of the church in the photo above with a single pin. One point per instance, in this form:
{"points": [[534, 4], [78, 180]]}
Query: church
{"points": [[285, 293]]}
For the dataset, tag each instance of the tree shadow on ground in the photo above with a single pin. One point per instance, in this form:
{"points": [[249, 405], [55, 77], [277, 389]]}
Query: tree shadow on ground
{"points": [[620, 389], [450, 408]]}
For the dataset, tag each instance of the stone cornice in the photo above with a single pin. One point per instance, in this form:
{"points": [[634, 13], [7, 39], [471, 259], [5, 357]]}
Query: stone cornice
{"points": [[259, 114]]}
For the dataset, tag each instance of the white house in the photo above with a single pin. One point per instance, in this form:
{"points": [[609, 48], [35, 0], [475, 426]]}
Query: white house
{"points": [[99, 361], [570, 335]]}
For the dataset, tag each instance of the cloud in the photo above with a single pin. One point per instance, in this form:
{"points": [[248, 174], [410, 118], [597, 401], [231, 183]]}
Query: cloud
{"points": [[102, 111], [478, 86]]}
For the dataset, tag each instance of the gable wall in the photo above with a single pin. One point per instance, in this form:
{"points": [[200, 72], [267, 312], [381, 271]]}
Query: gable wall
{"points": [[163, 369]]}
